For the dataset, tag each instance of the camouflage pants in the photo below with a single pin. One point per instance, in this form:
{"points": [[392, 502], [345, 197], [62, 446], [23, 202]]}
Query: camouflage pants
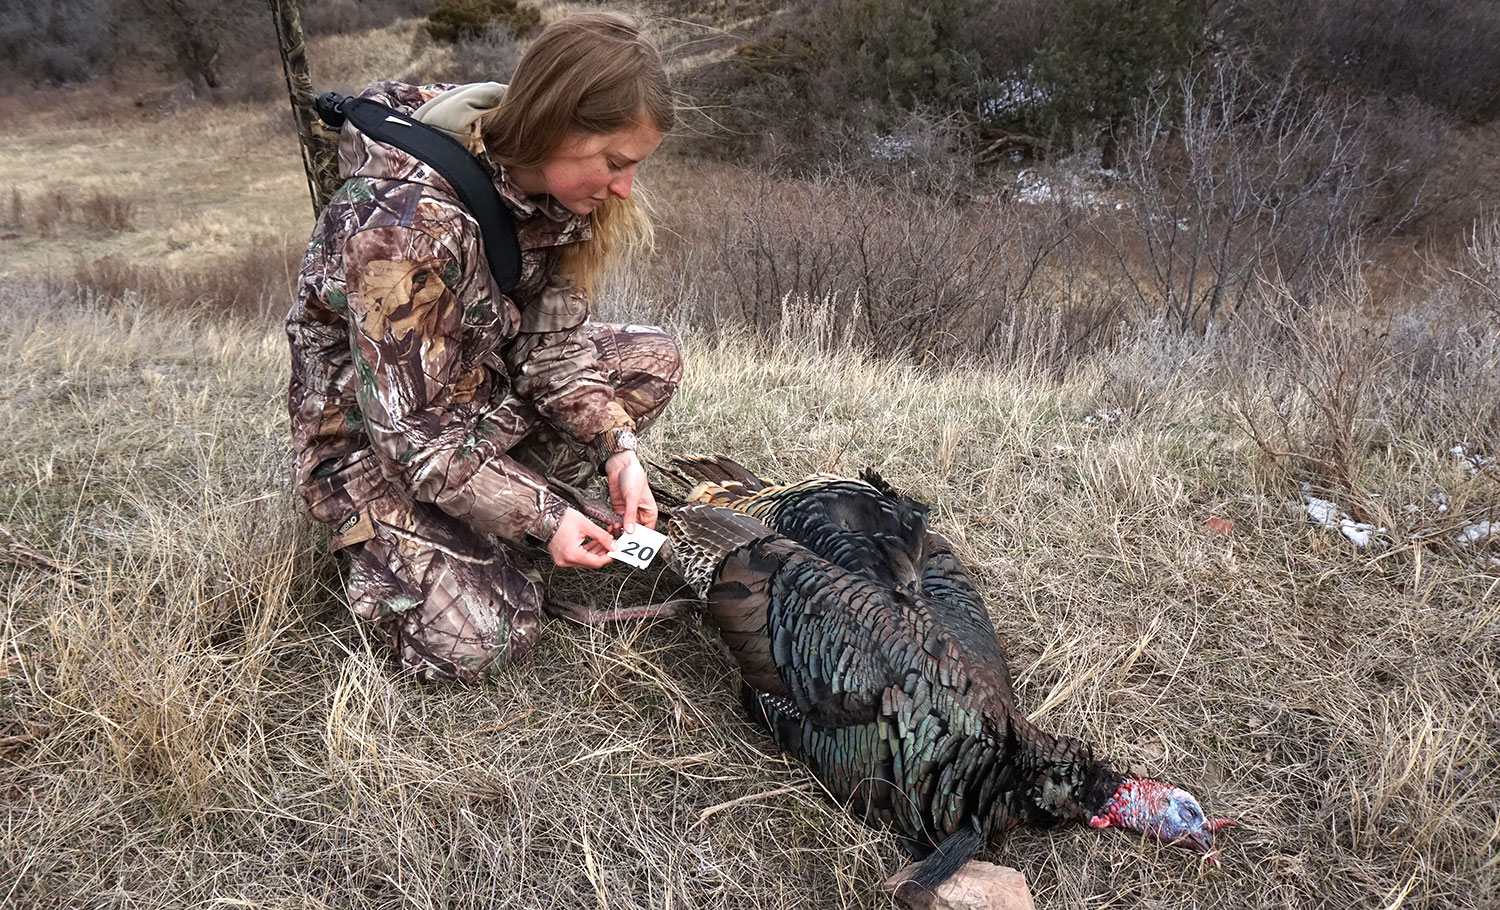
{"points": [[453, 603]]}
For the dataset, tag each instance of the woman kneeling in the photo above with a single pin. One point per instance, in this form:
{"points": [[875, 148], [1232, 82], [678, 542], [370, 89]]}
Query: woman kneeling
{"points": [[428, 408]]}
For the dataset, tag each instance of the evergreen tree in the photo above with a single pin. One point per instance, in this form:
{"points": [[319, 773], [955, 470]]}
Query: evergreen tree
{"points": [[1108, 53]]}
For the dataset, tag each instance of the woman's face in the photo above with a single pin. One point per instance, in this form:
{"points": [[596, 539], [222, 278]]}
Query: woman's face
{"points": [[588, 168]]}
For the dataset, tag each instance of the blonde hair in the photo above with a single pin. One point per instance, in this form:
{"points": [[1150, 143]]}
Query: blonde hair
{"points": [[592, 73]]}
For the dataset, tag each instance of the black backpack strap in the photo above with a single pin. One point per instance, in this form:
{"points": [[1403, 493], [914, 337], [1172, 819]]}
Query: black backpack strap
{"points": [[476, 191]]}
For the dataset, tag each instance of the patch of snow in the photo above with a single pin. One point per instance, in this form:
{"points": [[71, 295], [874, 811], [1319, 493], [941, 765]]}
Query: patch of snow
{"points": [[1479, 533], [1102, 416], [1474, 461], [1058, 186], [1328, 515], [1012, 95], [1358, 532], [891, 148], [1322, 512]]}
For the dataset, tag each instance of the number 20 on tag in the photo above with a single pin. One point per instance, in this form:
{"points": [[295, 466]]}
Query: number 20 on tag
{"points": [[638, 548]]}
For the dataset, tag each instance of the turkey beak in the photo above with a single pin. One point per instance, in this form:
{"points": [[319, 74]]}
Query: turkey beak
{"points": [[1202, 840], [1199, 842]]}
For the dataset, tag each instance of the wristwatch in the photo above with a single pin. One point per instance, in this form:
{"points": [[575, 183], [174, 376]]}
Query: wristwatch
{"points": [[615, 441]]}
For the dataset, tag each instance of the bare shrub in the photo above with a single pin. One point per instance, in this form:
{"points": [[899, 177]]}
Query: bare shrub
{"points": [[1444, 385], [1331, 393], [1442, 51], [851, 262], [197, 38], [1308, 398], [450, 20], [1432, 171], [1482, 270], [44, 215], [66, 208], [110, 212], [56, 41], [490, 56], [255, 284], [1237, 179]]}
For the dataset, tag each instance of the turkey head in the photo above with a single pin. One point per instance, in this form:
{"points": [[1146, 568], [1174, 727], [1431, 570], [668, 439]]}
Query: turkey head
{"points": [[1167, 813]]}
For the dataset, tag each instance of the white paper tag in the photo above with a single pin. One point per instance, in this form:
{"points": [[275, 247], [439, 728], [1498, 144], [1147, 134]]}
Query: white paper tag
{"points": [[639, 548]]}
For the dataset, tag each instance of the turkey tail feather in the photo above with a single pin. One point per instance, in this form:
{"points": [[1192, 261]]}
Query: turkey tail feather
{"points": [[719, 469], [939, 866]]}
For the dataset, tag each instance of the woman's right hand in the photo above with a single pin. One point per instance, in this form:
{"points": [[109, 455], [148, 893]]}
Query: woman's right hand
{"points": [[579, 543]]}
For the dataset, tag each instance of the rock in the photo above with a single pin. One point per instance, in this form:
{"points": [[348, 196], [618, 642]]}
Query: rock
{"points": [[975, 886]]}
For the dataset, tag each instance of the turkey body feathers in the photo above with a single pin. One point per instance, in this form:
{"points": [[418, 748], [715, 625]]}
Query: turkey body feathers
{"points": [[866, 651]]}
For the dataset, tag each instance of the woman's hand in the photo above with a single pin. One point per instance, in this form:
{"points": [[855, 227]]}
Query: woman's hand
{"points": [[628, 491], [579, 543]]}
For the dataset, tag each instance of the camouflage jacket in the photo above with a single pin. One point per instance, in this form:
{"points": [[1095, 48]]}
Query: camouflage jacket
{"points": [[412, 375]]}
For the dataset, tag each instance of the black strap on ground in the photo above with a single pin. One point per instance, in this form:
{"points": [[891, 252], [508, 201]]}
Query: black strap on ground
{"points": [[475, 190]]}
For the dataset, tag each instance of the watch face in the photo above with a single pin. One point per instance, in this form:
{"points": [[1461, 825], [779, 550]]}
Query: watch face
{"points": [[625, 440]]}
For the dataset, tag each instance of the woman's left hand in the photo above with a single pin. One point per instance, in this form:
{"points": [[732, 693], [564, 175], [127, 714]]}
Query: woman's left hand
{"points": [[629, 492]]}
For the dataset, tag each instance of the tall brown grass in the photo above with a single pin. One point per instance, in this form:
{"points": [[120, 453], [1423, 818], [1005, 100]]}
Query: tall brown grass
{"points": [[253, 285], [56, 210], [196, 718]]}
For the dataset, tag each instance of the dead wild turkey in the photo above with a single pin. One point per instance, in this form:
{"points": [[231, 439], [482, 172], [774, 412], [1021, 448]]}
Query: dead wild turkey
{"points": [[867, 652]]}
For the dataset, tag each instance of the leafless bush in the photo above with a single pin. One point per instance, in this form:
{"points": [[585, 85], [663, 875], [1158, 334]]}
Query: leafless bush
{"points": [[199, 36], [64, 208], [1308, 397], [1330, 394], [488, 57], [853, 262], [56, 40], [109, 211], [1428, 165], [1441, 51], [1444, 385], [255, 285], [1237, 179], [1482, 271]]}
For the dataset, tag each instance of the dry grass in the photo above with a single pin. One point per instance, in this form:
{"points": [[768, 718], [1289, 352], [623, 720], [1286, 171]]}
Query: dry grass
{"points": [[58, 209], [198, 720], [189, 717]]}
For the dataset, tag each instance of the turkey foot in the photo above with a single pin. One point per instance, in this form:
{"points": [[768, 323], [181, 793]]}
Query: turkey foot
{"points": [[975, 886]]}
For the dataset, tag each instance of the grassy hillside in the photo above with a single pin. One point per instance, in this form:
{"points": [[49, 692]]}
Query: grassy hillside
{"points": [[189, 717]]}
